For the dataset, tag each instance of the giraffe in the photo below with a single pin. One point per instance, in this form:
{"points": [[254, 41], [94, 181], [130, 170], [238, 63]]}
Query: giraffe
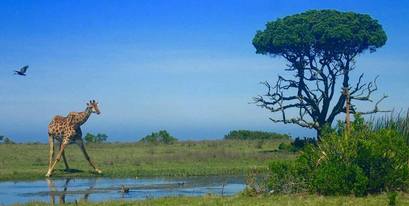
{"points": [[66, 130]]}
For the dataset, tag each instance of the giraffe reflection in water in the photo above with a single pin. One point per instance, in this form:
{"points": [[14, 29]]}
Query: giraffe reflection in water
{"points": [[63, 191]]}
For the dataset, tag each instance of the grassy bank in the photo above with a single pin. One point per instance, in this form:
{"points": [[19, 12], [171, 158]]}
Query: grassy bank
{"points": [[187, 158], [300, 200]]}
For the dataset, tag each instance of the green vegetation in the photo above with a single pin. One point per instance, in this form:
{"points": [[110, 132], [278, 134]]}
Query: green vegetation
{"points": [[285, 178], [161, 137], [226, 157], [273, 200], [297, 145], [366, 161], [399, 122], [254, 135], [99, 138], [321, 48]]}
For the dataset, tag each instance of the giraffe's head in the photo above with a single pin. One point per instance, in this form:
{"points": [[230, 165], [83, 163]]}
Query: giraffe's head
{"points": [[93, 106]]}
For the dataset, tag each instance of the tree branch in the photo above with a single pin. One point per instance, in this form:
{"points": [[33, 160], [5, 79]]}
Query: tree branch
{"points": [[376, 108]]}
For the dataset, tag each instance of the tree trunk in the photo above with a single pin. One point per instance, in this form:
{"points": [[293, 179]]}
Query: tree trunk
{"points": [[347, 113], [318, 134]]}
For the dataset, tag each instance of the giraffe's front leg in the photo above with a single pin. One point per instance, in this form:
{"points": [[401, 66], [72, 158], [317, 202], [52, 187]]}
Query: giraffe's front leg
{"points": [[51, 150], [50, 170], [65, 159]]}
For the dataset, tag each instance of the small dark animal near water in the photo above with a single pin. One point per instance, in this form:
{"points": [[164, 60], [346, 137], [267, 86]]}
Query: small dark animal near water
{"points": [[124, 189], [22, 71]]}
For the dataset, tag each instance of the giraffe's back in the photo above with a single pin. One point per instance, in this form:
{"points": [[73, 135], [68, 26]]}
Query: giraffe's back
{"points": [[57, 125], [61, 126]]}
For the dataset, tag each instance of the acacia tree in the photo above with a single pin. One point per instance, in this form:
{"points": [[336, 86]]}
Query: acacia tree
{"points": [[321, 47]]}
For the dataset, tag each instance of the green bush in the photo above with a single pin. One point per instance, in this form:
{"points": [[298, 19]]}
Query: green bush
{"points": [[254, 135], [256, 184], [161, 137], [285, 146], [285, 178], [299, 144], [333, 178], [296, 145], [99, 138], [366, 161]]}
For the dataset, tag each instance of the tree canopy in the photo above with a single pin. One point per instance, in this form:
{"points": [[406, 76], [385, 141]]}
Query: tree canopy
{"points": [[321, 46], [329, 33]]}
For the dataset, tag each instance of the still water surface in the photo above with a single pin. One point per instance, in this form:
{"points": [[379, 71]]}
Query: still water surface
{"points": [[100, 189]]}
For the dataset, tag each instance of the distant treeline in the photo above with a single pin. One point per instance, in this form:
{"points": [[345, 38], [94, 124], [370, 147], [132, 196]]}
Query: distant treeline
{"points": [[98, 138], [254, 135], [161, 137]]}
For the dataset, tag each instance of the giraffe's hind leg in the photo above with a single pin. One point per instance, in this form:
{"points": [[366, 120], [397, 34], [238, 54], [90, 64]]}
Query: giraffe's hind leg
{"points": [[84, 151], [65, 161]]}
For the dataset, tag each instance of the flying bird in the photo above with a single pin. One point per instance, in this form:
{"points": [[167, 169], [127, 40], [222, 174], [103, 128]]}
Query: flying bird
{"points": [[22, 71]]}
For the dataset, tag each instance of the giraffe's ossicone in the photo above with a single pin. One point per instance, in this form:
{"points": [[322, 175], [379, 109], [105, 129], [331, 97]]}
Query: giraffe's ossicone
{"points": [[65, 131]]}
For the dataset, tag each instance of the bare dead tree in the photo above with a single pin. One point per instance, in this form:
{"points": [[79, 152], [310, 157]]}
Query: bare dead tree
{"points": [[313, 90]]}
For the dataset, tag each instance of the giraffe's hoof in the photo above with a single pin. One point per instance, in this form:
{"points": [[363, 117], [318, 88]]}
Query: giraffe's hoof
{"points": [[98, 171], [48, 174]]}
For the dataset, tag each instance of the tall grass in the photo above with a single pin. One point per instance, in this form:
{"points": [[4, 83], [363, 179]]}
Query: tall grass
{"points": [[398, 122]]}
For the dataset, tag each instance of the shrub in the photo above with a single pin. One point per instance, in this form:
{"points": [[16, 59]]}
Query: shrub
{"points": [[256, 184], [254, 135], [159, 137], [366, 161], [285, 178], [333, 178], [297, 145], [99, 138], [284, 146]]}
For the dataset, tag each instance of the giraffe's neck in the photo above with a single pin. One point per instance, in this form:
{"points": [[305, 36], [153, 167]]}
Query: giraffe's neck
{"points": [[82, 117]]}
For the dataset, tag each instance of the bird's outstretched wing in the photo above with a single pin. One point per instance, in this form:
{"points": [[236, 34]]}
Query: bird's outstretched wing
{"points": [[24, 69]]}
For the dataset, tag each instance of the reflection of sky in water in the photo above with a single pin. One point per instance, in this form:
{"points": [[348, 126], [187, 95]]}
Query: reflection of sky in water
{"points": [[107, 189]]}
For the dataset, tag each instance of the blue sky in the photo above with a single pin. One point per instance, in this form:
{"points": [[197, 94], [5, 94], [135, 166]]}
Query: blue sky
{"points": [[184, 66]]}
